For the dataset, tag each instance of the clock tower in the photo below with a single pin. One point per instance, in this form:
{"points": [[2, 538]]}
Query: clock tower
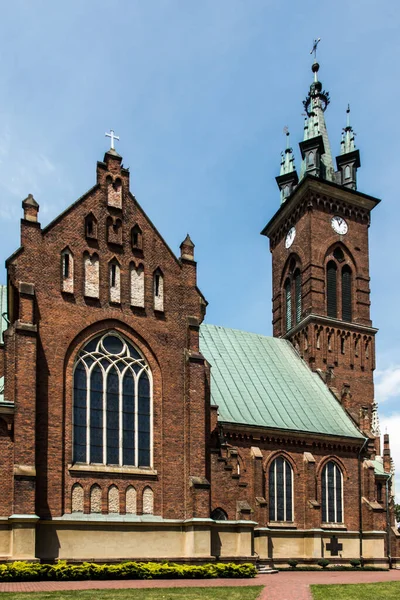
{"points": [[320, 262]]}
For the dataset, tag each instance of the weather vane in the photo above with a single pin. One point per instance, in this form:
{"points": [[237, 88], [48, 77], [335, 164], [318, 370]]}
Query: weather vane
{"points": [[314, 48]]}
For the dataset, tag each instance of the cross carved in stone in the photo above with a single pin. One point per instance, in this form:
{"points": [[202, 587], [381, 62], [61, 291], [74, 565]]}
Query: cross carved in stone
{"points": [[334, 547]]}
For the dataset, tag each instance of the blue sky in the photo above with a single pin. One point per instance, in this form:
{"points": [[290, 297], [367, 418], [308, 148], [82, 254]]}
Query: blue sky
{"points": [[199, 93]]}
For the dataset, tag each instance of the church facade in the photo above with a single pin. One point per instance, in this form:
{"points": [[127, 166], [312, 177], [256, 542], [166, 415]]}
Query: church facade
{"points": [[130, 429]]}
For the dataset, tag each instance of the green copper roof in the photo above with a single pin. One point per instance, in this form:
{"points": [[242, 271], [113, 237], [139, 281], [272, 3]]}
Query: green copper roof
{"points": [[261, 381], [379, 468], [3, 310]]}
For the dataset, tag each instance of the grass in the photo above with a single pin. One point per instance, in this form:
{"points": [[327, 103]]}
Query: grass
{"points": [[211, 593], [363, 591]]}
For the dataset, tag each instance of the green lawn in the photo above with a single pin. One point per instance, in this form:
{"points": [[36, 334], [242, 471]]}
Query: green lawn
{"points": [[193, 593], [363, 591]]}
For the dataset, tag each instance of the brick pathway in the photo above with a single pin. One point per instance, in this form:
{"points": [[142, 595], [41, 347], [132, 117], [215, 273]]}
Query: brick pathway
{"points": [[282, 586]]}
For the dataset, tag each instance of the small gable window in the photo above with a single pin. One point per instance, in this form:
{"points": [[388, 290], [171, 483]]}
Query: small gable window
{"points": [[67, 271], [158, 289], [136, 238], [115, 282], [91, 227]]}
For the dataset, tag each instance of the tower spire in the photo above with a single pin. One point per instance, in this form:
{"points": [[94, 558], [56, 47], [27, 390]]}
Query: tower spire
{"points": [[316, 153]]}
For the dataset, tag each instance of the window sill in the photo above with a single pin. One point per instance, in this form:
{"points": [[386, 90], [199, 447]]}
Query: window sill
{"points": [[333, 526], [282, 525], [139, 471]]}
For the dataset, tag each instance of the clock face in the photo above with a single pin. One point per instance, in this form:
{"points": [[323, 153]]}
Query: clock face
{"points": [[339, 225], [291, 234]]}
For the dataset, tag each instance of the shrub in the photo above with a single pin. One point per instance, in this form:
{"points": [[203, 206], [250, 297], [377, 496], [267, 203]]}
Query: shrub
{"points": [[355, 562], [323, 563], [63, 571], [293, 563]]}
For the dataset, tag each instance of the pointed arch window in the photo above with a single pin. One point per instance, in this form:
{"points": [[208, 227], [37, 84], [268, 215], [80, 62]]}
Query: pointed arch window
{"points": [[288, 305], [331, 289], [112, 414], [346, 294], [332, 493], [280, 490]]}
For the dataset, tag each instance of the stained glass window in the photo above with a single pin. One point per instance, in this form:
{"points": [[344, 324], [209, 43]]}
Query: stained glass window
{"points": [[112, 414]]}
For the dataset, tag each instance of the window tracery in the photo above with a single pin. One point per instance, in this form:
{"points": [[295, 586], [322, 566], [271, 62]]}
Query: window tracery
{"points": [[112, 404]]}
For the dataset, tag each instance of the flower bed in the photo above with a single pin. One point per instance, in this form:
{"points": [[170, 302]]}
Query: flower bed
{"points": [[63, 571]]}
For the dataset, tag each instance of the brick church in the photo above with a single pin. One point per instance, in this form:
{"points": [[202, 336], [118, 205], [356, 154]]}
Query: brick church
{"points": [[129, 429]]}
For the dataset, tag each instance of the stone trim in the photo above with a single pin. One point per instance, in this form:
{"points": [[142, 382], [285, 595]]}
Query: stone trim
{"points": [[142, 472]]}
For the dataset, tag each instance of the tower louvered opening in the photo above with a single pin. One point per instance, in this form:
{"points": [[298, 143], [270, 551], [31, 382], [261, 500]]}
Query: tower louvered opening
{"points": [[331, 291], [297, 294], [288, 305], [346, 294]]}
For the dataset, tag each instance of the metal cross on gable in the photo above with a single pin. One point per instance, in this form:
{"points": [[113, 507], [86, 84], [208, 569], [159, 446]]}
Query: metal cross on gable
{"points": [[314, 48], [113, 137], [334, 547]]}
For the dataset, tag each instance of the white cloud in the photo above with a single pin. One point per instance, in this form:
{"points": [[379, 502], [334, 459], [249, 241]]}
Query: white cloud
{"points": [[391, 424], [387, 383]]}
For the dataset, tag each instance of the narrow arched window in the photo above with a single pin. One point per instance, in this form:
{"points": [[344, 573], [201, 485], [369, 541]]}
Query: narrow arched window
{"points": [[297, 294], [310, 159], [347, 172], [331, 289], [346, 293], [280, 490], [332, 493], [91, 226], [112, 404], [288, 305], [67, 271], [136, 237]]}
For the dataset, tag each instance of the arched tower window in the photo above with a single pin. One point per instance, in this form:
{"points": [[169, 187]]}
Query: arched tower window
{"points": [[346, 293], [112, 416], [288, 305], [297, 294], [331, 289], [332, 493], [115, 281], [218, 514], [280, 490]]}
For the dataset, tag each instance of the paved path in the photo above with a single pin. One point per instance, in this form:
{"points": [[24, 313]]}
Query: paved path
{"points": [[281, 586]]}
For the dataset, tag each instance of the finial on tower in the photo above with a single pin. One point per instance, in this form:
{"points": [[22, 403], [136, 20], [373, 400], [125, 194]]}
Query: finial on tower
{"points": [[349, 159], [314, 48], [288, 178]]}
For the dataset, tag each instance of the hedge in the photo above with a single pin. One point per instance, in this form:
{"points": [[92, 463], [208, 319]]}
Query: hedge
{"points": [[24, 571]]}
